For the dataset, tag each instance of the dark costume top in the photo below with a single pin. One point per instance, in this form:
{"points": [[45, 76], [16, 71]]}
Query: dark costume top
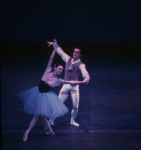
{"points": [[72, 71], [44, 87]]}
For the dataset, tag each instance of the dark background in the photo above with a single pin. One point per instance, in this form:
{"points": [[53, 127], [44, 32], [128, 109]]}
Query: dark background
{"points": [[109, 33], [80, 21]]}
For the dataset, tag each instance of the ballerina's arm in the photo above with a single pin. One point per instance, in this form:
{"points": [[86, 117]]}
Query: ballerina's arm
{"points": [[51, 57], [73, 82]]}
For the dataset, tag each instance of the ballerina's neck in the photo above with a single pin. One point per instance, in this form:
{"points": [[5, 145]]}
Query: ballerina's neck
{"points": [[54, 74]]}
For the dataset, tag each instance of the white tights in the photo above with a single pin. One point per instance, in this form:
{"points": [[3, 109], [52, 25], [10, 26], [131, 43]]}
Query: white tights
{"points": [[63, 95]]}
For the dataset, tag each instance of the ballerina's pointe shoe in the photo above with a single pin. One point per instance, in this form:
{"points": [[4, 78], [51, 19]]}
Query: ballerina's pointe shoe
{"points": [[51, 133], [51, 122], [25, 137]]}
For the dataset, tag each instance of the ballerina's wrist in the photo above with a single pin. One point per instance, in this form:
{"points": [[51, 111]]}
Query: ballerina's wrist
{"points": [[57, 46]]}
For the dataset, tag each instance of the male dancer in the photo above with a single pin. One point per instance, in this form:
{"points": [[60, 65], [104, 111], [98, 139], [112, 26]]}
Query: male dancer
{"points": [[73, 68]]}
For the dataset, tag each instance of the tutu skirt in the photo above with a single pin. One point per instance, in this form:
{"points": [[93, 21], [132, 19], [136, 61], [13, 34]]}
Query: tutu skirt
{"points": [[45, 104]]}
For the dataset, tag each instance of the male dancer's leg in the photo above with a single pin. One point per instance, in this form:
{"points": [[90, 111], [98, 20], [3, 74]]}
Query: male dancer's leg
{"points": [[75, 102], [63, 95]]}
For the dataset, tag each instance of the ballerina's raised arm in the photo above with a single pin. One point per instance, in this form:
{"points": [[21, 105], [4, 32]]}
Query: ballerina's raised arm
{"points": [[52, 55]]}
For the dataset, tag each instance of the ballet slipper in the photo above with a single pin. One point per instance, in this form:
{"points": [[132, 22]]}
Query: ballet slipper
{"points": [[51, 122], [74, 123], [25, 137], [51, 133]]}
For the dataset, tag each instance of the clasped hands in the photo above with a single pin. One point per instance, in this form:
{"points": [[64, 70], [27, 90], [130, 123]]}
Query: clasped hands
{"points": [[52, 43], [86, 80]]}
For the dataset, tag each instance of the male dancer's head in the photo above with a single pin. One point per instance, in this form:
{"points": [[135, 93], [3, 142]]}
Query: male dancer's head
{"points": [[76, 54]]}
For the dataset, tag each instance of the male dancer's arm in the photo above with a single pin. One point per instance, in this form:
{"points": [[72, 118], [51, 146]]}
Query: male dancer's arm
{"points": [[60, 52], [73, 82], [85, 73]]}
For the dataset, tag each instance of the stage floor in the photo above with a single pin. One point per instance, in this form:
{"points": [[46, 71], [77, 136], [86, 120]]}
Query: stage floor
{"points": [[109, 111], [73, 138]]}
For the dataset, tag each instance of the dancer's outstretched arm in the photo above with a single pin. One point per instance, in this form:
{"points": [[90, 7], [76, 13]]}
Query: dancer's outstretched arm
{"points": [[73, 82], [51, 57], [64, 56], [48, 69]]}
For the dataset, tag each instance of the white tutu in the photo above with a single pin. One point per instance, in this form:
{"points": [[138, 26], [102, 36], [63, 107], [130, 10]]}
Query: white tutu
{"points": [[45, 104]]}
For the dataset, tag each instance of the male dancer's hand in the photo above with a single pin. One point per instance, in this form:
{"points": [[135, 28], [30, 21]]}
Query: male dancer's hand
{"points": [[86, 80], [52, 43], [55, 41]]}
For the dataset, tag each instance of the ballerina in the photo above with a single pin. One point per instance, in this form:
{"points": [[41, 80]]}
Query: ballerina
{"points": [[41, 102]]}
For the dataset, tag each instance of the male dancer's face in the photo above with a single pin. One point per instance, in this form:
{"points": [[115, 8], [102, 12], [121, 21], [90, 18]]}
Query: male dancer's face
{"points": [[76, 53]]}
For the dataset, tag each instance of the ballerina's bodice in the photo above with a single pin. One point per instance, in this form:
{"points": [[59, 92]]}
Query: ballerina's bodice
{"points": [[48, 81]]}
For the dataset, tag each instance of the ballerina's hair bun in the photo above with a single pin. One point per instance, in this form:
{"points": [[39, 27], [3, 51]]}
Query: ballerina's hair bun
{"points": [[53, 67], [56, 65]]}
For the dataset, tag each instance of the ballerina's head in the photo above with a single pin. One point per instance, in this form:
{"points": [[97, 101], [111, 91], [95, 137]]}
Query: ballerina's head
{"points": [[57, 69]]}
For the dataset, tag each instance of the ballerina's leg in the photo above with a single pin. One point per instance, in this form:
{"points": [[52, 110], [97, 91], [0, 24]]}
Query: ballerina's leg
{"points": [[48, 126], [32, 123]]}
